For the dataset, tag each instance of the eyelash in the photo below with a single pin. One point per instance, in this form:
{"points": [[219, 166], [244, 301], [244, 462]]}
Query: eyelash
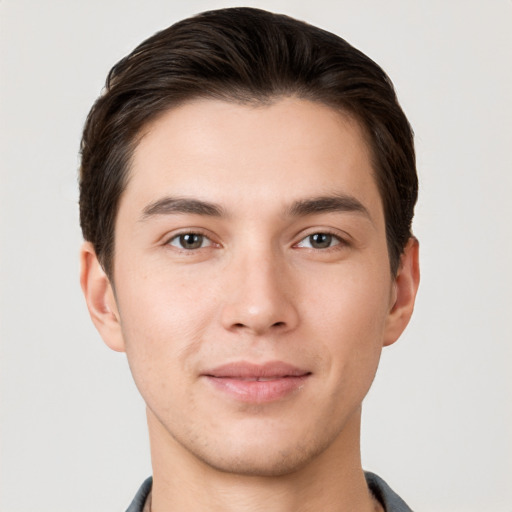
{"points": [[332, 237], [179, 238]]}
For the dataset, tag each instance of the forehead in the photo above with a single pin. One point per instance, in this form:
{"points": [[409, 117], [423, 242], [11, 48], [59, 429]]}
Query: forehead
{"points": [[273, 153]]}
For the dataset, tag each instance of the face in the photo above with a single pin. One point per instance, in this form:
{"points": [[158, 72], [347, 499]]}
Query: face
{"points": [[252, 286]]}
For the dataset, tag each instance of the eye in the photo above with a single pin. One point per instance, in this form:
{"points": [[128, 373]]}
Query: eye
{"points": [[190, 241], [319, 241]]}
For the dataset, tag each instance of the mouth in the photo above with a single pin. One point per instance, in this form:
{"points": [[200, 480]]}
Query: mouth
{"points": [[257, 383]]}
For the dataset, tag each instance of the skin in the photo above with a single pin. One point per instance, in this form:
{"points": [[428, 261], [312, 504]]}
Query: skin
{"points": [[257, 287]]}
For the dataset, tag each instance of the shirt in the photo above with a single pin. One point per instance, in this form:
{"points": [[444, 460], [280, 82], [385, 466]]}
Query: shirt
{"points": [[378, 487]]}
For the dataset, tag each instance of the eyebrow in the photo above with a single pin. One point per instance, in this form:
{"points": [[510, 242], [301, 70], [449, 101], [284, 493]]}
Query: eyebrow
{"points": [[327, 204], [169, 205], [300, 208]]}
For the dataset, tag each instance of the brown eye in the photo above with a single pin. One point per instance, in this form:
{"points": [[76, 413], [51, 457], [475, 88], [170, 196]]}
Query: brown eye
{"points": [[319, 241], [190, 241]]}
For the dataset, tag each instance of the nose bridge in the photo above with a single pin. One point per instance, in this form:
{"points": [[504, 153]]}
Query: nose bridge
{"points": [[259, 296]]}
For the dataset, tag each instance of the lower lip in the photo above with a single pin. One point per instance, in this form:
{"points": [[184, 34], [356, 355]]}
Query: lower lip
{"points": [[258, 391]]}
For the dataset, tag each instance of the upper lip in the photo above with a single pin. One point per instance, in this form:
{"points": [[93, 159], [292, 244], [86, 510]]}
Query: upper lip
{"points": [[246, 370]]}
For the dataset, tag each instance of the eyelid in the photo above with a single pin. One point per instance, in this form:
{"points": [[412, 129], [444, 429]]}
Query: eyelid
{"points": [[205, 242], [342, 238], [168, 238]]}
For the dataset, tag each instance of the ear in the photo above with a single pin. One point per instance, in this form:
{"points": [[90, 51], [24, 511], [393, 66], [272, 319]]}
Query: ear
{"points": [[100, 298], [405, 286]]}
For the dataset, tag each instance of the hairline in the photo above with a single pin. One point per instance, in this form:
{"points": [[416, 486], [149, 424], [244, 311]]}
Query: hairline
{"points": [[247, 99]]}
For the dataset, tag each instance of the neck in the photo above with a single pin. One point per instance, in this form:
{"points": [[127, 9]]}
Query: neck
{"points": [[332, 482]]}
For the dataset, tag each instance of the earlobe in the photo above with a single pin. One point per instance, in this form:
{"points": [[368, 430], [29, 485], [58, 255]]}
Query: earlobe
{"points": [[406, 285], [100, 298]]}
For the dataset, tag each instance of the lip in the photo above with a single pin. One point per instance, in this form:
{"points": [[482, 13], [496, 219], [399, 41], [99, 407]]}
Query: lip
{"points": [[257, 383]]}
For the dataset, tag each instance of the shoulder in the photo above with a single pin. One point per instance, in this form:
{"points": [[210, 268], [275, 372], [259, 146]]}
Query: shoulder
{"points": [[387, 497], [137, 505], [379, 488]]}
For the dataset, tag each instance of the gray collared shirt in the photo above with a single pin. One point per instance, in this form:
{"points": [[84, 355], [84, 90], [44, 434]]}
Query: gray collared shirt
{"points": [[380, 489]]}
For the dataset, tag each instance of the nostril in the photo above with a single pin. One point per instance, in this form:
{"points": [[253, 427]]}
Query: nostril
{"points": [[240, 325]]}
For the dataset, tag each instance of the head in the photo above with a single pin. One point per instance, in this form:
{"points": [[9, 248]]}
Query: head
{"points": [[245, 56], [247, 184]]}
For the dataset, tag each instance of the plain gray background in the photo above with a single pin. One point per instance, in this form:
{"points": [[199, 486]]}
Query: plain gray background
{"points": [[438, 421]]}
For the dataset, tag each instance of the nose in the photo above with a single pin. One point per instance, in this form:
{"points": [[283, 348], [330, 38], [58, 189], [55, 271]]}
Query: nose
{"points": [[259, 296]]}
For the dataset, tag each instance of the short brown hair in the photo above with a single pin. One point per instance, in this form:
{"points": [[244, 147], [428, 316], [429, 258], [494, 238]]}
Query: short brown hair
{"points": [[250, 56]]}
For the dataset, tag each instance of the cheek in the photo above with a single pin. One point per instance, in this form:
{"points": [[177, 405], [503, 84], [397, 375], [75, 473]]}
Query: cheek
{"points": [[353, 301], [163, 304], [350, 315], [162, 323]]}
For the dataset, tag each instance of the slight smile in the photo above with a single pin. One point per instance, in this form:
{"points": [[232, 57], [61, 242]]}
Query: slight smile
{"points": [[257, 383]]}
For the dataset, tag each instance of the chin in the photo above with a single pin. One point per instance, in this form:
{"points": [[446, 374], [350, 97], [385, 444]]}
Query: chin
{"points": [[263, 459]]}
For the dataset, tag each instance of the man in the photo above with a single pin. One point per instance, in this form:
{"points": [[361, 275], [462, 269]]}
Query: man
{"points": [[246, 195]]}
